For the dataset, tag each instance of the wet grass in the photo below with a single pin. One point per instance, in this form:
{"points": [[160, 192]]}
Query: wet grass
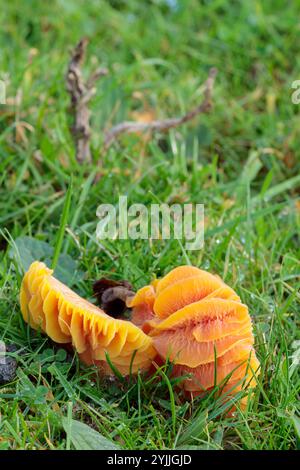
{"points": [[242, 162]]}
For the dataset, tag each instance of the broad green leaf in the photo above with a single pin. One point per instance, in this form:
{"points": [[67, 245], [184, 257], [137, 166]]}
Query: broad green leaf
{"points": [[27, 249], [85, 438]]}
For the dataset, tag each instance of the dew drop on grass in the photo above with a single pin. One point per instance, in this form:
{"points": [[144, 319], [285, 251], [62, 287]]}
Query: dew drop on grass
{"points": [[206, 264]]}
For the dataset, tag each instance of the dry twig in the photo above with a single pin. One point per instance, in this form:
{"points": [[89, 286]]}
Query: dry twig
{"points": [[112, 295], [164, 125], [81, 92]]}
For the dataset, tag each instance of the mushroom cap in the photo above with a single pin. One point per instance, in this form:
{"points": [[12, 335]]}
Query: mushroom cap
{"points": [[201, 325], [189, 316], [49, 305]]}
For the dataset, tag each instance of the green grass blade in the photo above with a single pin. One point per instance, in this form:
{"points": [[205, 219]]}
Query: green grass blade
{"points": [[63, 223]]}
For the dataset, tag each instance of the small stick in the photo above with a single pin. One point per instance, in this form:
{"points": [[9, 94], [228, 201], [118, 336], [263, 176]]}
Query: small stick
{"points": [[163, 125], [81, 93]]}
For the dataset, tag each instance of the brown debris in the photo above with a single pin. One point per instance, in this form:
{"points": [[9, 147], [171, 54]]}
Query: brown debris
{"points": [[112, 295]]}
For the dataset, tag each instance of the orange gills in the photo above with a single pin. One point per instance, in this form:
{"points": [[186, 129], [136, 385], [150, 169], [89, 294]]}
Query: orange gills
{"points": [[49, 305], [190, 317], [200, 324]]}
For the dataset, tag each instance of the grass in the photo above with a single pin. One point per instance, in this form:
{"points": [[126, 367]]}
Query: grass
{"points": [[242, 161]]}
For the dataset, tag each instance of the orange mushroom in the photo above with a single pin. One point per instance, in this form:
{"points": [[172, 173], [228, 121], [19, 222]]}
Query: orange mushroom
{"points": [[201, 325], [189, 316], [49, 305]]}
